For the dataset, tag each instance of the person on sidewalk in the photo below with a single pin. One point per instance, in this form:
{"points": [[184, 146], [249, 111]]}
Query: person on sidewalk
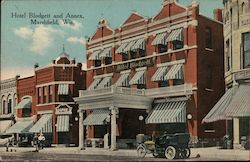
{"points": [[35, 142], [41, 140]]}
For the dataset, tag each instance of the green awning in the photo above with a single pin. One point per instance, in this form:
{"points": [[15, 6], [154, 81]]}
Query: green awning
{"points": [[21, 127], [24, 104], [62, 123], [97, 117], [44, 124]]}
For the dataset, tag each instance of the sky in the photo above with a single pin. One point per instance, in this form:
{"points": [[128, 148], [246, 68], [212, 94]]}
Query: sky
{"points": [[24, 44]]}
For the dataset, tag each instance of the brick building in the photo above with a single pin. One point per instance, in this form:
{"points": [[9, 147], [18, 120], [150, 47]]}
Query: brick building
{"points": [[47, 100], [162, 73]]}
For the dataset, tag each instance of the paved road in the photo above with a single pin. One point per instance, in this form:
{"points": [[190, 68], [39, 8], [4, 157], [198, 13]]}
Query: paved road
{"points": [[72, 154]]}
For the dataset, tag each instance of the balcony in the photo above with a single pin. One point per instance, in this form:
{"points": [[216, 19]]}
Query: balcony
{"points": [[242, 74]]}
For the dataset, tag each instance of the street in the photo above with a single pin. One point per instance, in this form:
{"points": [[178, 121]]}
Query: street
{"points": [[97, 154]]}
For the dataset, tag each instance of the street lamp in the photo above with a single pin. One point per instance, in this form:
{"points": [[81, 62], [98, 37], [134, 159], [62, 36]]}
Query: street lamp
{"points": [[140, 123]]}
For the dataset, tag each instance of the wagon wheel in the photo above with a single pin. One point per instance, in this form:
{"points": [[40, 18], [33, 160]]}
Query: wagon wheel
{"points": [[141, 151], [170, 152], [187, 152]]}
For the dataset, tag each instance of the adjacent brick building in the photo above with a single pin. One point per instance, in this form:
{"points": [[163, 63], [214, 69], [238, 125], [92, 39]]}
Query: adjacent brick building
{"points": [[162, 73]]}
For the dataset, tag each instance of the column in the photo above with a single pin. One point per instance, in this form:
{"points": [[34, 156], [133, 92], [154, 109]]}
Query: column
{"points": [[81, 131], [236, 130], [113, 128]]}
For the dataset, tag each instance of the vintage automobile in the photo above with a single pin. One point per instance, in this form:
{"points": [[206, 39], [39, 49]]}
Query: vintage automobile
{"points": [[169, 145]]}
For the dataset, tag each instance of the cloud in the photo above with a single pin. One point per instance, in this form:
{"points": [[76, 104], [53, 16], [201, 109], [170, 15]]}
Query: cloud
{"points": [[75, 25], [41, 37], [11, 72], [23, 32], [80, 40]]}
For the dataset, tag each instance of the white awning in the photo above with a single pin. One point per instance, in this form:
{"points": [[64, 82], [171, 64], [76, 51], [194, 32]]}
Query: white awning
{"points": [[138, 78], [106, 52], [121, 48], [168, 112], [24, 104], [63, 89], [4, 125], [21, 127], [218, 111], [140, 44], [176, 72], [44, 124], [97, 117], [94, 84], [159, 74], [62, 123], [160, 39], [240, 104], [175, 35], [106, 82], [123, 80], [129, 46], [94, 55]]}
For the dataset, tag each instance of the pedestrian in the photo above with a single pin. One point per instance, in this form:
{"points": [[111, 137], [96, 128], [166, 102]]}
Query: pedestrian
{"points": [[41, 140], [35, 141]]}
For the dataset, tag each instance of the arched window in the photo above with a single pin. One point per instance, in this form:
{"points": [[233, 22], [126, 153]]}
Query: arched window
{"points": [[3, 106], [14, 101], [243, 8], [9, 104]]}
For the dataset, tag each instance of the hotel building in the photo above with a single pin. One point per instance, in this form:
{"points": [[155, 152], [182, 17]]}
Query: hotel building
{"points": [[157, 74]]}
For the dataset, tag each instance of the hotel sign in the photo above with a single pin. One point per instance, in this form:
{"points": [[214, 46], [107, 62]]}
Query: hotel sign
{"points": [[135, 64]]}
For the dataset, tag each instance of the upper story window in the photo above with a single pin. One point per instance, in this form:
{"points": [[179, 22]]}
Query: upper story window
{"points": [[95, 57], [246, 50], [44, 95], [243, 8], [106, 55], [228, 53], [50, 93], [3, 106], [39, 95], [208, 38], [9, 105]]}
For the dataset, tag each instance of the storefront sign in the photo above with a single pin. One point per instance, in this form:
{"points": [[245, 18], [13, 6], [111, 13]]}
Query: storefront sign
{"points": [[63, 110], [135, 64]]}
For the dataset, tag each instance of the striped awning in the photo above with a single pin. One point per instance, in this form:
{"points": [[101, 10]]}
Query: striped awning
{"points": [[97, 117], [121, 48], [106, 82], [94, 84], [168, 112], [62, 123], [175, 72], [160, 39], [44, 124], [24, 104], [140, 44], [21, 127], [175, 35], [138, 78], [106, 52], [129, 46], [63, 89], [95, 55], [240, 104], [123, 80], [218, 111], [159, 74]]}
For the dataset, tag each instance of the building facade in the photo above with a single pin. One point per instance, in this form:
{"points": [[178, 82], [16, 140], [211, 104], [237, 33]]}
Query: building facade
{"points": [[235, 103], [46, 101], [158, 74], [8, 102]]}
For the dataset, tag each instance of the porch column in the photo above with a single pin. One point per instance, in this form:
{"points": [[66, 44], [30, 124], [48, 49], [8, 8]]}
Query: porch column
{"points": [[113, 127], [81, 131], [236, 131]]}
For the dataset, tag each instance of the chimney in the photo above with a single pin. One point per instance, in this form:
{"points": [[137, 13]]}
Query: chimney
{"points": [[218, 14], [73, 61], [36, 65]]}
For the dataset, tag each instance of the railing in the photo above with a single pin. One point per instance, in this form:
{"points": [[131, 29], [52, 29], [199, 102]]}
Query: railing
{"points": [[185, 89], [242, 74]]}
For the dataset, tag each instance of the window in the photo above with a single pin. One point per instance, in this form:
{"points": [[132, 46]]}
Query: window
{"points": [[178, 81], [208, 38], [4, 104], [124, 57], [243, 8], [108, 60], [141, 86], [163, 83], [209, 127], [228, 55], [209, 77], [44, 94], [133, 54], [50, 93], [97, 63], [246, 50], [178, 44], [162, 48], [9, 106], [39, 96], [26, 112]]}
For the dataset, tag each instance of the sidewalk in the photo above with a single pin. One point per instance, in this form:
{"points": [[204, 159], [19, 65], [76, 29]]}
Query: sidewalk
{"points": [[215, 152]]}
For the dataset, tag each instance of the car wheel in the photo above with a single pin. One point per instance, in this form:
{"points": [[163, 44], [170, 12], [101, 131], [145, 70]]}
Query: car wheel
{"points": [[170, 152], [141, 152]]}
